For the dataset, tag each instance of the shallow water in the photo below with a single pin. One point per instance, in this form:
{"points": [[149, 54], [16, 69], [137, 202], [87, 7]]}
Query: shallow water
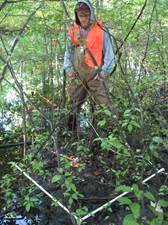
{"points": [[7, 155], [17, 221]]}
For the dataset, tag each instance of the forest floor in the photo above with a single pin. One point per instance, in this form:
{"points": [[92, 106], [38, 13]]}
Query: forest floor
{"points": [[95, 181]]}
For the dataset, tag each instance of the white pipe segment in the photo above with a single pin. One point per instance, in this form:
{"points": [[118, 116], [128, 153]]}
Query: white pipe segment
{"points": [[94, 211]]}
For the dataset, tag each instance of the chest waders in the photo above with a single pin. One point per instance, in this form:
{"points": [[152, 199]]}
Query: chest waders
{"points": [[84, 84]]}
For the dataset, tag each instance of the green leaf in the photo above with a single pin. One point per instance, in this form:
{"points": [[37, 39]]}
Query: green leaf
{"points": [[157, 140], [124, 201], [28, 206], [138, 193], [97, 139], [147, 157], [102, 123], [123, 188], [55, 204], [129, 220], [149, 196], [135, 124], [152, 147], [127, 112], [130, 127], [163, 203], [124, 124], [155, 153], [158, 220], [70, 200], [135, 188], [74, 196], [107, 112], [56, 178], [135, 208], [73, 187]]}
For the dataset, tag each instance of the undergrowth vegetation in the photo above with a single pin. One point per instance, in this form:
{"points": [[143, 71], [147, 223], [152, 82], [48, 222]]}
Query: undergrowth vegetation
{"points": [[83, 170]]}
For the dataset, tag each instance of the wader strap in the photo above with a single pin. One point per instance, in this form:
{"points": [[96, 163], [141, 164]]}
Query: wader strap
{"points": [[92, 57]]}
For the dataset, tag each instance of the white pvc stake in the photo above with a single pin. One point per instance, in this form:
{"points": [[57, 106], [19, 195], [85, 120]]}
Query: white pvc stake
{"points": [[91, 213], [153, 175], [119, 196], [46, 192]]}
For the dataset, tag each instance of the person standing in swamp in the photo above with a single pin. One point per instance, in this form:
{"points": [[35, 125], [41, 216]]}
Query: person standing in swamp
{"points": [[88, 62]]}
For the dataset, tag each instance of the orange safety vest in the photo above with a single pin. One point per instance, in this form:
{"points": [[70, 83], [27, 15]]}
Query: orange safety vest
{"points": [[94, 42]]}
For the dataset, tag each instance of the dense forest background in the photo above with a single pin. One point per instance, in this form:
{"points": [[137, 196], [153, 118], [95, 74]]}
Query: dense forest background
{"points": [[87, 171]]}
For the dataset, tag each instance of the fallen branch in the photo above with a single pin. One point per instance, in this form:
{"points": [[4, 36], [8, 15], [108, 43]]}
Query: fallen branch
{"points": [[11, 145]]}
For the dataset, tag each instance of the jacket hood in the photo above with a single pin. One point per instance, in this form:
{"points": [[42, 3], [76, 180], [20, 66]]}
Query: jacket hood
{"points": [[92, 14]]}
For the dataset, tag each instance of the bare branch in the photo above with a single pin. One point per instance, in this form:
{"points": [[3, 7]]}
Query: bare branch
{"points": [[12, 145], [147, 45], [16, 41], [19, 86], [135, 22]]}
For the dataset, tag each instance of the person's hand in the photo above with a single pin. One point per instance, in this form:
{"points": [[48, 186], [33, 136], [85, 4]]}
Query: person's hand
{"points": [[71, 74], [97, 77]]}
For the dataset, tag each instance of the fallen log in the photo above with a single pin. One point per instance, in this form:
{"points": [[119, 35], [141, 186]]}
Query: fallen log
{"points": [[11, 145]]}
